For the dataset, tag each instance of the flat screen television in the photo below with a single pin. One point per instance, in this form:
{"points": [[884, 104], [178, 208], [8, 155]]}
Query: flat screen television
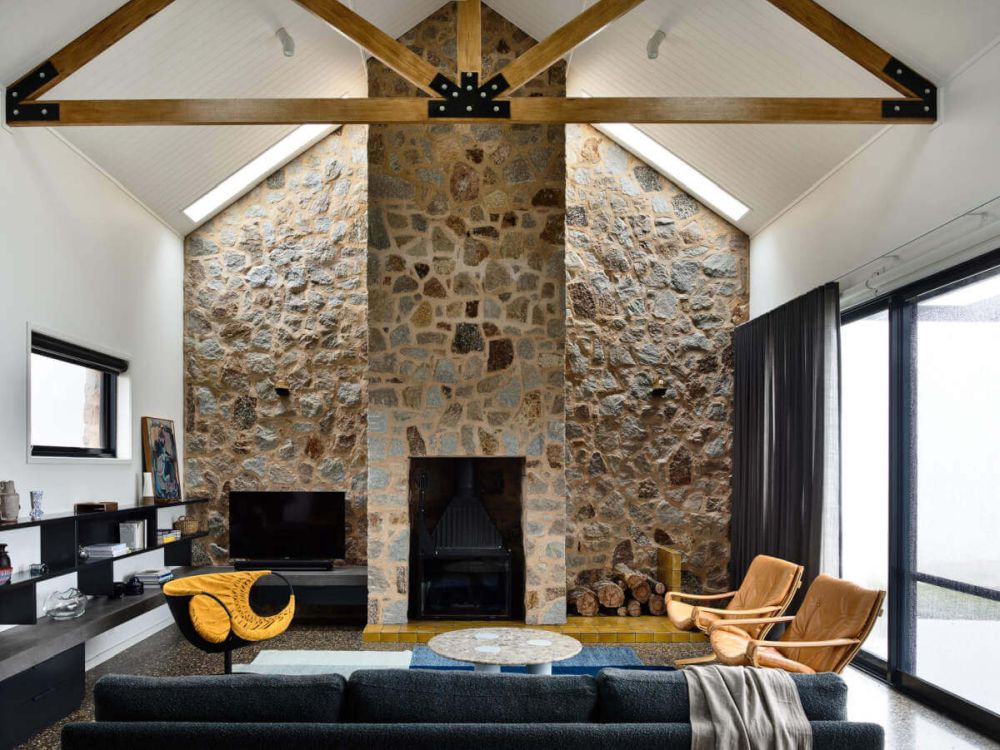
{"points": [[292, 526]]}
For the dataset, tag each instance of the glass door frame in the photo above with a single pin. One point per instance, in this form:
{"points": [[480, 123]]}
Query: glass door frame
{"points": [[903, 576]]}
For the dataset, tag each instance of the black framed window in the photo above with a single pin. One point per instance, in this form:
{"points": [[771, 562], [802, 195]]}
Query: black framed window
{"points": [[73, 393], [921, 475]]}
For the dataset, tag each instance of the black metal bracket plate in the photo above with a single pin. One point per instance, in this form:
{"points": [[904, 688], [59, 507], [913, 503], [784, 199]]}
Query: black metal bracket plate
{"points": [[926, 108], [33, 112], [30, 83], [468, 99]]}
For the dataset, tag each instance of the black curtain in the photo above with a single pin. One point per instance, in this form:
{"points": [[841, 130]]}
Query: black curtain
{"points": [[786, 435]]}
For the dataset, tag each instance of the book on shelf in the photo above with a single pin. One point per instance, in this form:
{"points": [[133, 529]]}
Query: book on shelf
{"points": [[106, 549], [166, 536], [155, 577]]}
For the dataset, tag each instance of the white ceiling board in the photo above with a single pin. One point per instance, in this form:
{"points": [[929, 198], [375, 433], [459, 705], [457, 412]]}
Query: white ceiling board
{"points": [[208, 48], [935, 37], [31, 30]]}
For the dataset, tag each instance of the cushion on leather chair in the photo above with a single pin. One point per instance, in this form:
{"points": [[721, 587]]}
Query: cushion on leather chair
{"points": [[681, 614], [833, 608], [769, 582], [233, 589], [729, 643]]}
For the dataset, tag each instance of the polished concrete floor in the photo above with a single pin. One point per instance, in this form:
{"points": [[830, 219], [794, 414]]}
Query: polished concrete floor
{"points": [[908, 724]]}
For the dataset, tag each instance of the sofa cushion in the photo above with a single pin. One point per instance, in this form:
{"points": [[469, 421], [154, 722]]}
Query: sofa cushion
{"points": [[426, 696], [221, 698], [634, 696]]}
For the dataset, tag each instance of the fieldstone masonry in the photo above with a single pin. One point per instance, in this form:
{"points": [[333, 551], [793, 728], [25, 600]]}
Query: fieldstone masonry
{"points": [[656, 283], [274, 290], [466, 313], [471, 290]]}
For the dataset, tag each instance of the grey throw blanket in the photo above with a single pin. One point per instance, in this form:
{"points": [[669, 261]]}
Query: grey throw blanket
{"points": [[739, 708]]}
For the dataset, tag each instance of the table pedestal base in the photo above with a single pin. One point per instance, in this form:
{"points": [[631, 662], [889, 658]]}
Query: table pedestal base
{"points": [[545, 668]]}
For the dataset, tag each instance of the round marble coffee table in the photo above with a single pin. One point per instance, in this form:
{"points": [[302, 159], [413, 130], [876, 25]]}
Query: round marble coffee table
{"points": [[490, 648]]}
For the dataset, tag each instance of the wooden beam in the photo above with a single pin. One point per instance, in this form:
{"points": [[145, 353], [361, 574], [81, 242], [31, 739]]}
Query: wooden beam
{"points": [[94, 41], [401, 59], [705, 110], [470, 36], [563, 40], [415, 110], [844, 38]]}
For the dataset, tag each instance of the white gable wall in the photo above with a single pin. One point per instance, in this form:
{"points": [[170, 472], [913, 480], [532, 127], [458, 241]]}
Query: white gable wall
{"points": [[909, 181], [78, 256]]}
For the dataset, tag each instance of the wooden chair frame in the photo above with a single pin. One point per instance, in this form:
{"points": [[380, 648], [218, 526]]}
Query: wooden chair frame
{"points": [[463, 98]]}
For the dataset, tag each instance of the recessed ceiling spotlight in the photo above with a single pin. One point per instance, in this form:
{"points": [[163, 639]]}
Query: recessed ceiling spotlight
{"points": [[653, 45], [287, 43]]}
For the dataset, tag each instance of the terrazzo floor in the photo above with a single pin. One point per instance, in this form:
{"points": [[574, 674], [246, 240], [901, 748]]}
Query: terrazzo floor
{"points": [[908, 724]]}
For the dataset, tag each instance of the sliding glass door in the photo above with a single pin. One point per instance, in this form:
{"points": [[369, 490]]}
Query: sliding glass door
{"points": [[954, 582], [920, 509]]}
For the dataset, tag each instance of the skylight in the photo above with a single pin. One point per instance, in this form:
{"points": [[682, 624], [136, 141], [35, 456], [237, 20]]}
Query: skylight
{"points": [[675, 168], [238, 183]]}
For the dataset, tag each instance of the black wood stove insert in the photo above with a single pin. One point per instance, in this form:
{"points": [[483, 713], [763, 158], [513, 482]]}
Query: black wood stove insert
{"points": [[463, 568]]}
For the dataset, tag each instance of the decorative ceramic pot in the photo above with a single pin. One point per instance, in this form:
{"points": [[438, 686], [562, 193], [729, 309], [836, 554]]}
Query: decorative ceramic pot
{"points": [[65, 605], [10, 503], [5, 567]]}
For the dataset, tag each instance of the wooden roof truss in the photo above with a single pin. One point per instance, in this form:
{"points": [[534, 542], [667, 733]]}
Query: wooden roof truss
{"points": [[464, 98]]}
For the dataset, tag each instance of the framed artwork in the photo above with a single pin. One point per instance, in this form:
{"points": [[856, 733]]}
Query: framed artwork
{"points": [[159, 457]]}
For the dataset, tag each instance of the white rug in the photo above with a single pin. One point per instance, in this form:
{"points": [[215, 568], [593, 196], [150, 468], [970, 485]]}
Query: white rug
{"points": [[324, 662]]}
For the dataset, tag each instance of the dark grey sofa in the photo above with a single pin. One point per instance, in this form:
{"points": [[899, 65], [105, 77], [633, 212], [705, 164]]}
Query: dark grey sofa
{"points": [[424, 710]]}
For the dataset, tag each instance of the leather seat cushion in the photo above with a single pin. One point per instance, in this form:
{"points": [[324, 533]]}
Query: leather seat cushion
{"points": [[681, 614], [704, 620], [772, 657], [833, 608], [730, 645]]}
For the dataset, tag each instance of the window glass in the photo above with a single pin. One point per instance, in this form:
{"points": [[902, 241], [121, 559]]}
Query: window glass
{"points": [[956, 497], [66, 404], [864, 519]]}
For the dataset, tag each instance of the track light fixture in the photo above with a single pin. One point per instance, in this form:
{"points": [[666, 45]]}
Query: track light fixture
{"points": [[287, 43]]}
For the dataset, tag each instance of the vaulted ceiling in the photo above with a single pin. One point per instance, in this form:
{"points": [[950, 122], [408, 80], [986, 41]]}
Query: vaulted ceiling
{"points": [[225, 48]]}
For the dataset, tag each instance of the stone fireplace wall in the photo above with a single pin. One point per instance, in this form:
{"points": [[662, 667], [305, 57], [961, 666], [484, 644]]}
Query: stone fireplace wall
{"points": [[275, 289], [656, 283], [466, 312]]}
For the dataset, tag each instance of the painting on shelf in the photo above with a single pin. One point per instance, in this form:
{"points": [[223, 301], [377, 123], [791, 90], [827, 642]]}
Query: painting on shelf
{"points": [[159, 457]]}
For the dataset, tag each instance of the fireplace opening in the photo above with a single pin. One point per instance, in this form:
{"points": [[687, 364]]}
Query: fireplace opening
{"points": [[466, 546]]}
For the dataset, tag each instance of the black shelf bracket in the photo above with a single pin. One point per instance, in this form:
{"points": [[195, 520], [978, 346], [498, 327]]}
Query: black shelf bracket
{"points": [[468, 98], [926, 107]]}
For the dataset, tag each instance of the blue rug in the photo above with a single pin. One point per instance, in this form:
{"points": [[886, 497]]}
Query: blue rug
{"points": [[589, 661]]}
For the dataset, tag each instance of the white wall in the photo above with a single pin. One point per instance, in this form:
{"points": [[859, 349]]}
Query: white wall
{"points": [[909, 181], [80, 257]]}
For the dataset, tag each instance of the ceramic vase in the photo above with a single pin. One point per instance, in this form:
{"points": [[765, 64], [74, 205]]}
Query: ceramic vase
{"points": [[5, 566], [36, 505], [10, 502]]}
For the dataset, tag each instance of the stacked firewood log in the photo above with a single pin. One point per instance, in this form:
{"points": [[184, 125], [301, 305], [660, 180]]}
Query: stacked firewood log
{"points": [[623, 592]]}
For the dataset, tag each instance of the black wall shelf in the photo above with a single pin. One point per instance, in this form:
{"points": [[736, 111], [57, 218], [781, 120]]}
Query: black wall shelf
{"points": [[61, 537]]}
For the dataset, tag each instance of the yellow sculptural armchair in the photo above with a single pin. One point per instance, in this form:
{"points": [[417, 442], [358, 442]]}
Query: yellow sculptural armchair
{"points": [[767, 589], [214, 612], [833, 622]]}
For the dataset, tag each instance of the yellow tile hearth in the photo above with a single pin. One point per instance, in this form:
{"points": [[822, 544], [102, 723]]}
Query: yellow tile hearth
{"points": [[587, 630]]}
